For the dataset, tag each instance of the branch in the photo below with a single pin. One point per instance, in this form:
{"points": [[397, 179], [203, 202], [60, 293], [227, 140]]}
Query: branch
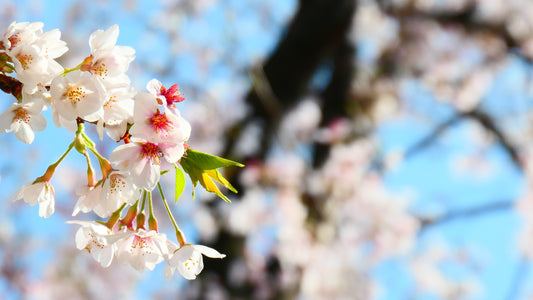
{"points": [[484, 119], [467, 213], [10, 85], [316, 31], [465, 17], [489, 124]]}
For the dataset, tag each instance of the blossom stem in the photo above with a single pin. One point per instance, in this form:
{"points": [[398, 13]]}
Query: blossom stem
{"points": [[52, 168], [152, 222], [130, 216], [105, 165], [90, 170], [179, 233], [114, 217], [141, 217]]}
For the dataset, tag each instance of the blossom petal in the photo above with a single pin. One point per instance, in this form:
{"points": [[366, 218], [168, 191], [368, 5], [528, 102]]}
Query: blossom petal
{"points": [[209, 252]]}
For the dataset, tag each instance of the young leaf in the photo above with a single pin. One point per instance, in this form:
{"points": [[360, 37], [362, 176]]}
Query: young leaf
{"points": [[201, 167], [206, 161], [180, 183]]}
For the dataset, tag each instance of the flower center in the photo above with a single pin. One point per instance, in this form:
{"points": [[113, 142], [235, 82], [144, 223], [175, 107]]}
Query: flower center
{"points": [[117, 183], [21, 115], [172, 94], [151, 152], [191, 263], [109, 103], [14, 40], [99, 69], [160, 122], [75, 93], [144, 244], [25, 60], [93, 243]]}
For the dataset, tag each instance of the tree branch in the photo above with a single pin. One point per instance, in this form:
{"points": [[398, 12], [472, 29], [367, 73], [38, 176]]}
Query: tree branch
{"points": [[10, 85], [467, 213]]}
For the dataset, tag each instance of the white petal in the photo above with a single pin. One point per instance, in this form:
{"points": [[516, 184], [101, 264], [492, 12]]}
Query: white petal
{"points": [[104, 256], [209, 252], [46, 209], [23, 132], [38, 122], [169, 272], [172, 153], [154, 87]]}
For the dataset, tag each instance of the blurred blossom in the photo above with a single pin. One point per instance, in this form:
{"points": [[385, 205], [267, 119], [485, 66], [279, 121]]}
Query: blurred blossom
{"points": [[430, 277], [300, 123], [373, 31]]}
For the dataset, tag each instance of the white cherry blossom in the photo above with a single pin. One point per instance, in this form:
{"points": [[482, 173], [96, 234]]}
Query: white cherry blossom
{"points": [[117, 112], [39, 192], [107, 196], [23, 119], [143, 160], [33, 54], [168, 96], [156, 126], [109, 60], [88, 200], [142, 249], [97, 239], [21, 34], [188, 260], [76, 95]]}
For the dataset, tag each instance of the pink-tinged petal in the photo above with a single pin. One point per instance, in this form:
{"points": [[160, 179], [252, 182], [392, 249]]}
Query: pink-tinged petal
{"points": [[149, 177], [209, 252], [125, 154], [172, 153], [145, 107]]}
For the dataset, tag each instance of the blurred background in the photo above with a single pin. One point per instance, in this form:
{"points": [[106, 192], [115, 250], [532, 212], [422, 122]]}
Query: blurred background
{"points": [[387, 147]]}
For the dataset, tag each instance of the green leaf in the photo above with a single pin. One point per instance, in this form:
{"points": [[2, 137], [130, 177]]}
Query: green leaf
{"points": [[209, 162], [201, 168], [180, 183]]}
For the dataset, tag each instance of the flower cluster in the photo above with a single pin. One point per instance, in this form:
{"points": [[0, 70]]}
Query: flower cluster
{"points": [[98, 92]]}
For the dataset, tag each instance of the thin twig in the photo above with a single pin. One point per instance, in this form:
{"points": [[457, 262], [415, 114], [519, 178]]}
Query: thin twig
{"points": [[467, 213]]}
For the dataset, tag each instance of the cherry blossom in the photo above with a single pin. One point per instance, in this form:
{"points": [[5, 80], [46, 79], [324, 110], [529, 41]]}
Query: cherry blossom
{"points": [[143, 160], [188, 260], [76, 95], [107, 196], [33, 54], [38, 192], [156, 126], [23, 119], [108, 60], [169, 96], [21, 33], [142, 249], [97, 240], [117, 112]]}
